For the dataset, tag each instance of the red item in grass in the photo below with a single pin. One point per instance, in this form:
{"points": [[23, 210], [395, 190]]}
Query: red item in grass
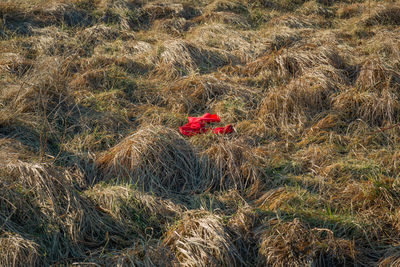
{"points": [[223, 130], [197, 125]]}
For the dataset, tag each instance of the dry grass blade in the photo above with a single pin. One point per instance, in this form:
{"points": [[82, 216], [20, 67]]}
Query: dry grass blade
{"points": [[94, 171], [391, 258], [47, 197], [123, 202]]}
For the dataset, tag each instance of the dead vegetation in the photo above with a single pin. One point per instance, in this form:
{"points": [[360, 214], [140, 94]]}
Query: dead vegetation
{"points": [[94, 171], [176, 167], [293, 244], [201, 239], [181, 58]]}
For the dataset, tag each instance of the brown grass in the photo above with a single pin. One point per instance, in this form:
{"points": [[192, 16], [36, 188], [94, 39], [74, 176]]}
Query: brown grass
{"points": [[391, 258], [17, 251], [374, 108], [201, 239], [296, 61], [194, 93], [292, 22], [95, 172], [183, 58], [233, 166], [376, 76], [122, 202], [155, 159], [384, 15], [302, 98], [293, 244], [32, 193]]}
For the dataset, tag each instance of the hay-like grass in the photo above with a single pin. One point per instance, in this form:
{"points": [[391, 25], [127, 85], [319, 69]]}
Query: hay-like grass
{"points": [[282, 38], [293, 244], [233, 6], [376, 76], [195, 94], [384, 15], [391, 257], [234, 166], [16, 250], [201, 239], [303, 98], [155, 159], [349, 11], [229, 18], [97, 34], [314, 157], [373, 108], [162, 10], [15, 64], [296, 61], [141, 211], [296, 22], [243, 44], [141, 254], [313, 7], [311, 88], [174, 27], [34, 196], [181, 58]]}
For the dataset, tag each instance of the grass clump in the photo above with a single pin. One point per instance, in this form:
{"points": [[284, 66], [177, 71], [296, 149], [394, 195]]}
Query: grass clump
{"points": [[181, 58], [296, 245], [155, 159], [202, 239]]}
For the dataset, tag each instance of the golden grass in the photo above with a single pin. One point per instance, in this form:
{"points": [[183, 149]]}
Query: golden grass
{"points": [[391, 258], [233, 167], [17, 251], [374, 108], [384, 14], [34, 193], [155, 159], [202, 240], [94, 171], [293, 244], [194, 93], [376, 76], [181, 58]]}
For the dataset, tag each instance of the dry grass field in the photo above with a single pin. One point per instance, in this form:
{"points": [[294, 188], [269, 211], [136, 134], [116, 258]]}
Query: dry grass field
{"points": [[94, 171]]}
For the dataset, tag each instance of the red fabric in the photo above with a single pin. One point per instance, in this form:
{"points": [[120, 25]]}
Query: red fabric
{"points": [[205, 118], [223, 130], [197, 125]]}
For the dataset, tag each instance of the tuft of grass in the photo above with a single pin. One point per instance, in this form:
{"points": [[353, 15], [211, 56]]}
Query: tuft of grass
{"points": [[296, 245], [181, 58], [384, 15], [16, 250], [202, 239], [155, 159]]}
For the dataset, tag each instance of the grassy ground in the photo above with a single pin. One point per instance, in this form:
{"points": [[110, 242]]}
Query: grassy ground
{"points": [[94, 172]]}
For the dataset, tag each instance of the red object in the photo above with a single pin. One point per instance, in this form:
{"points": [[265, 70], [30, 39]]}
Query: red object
{"points": [[223, 130], [197, 125]]}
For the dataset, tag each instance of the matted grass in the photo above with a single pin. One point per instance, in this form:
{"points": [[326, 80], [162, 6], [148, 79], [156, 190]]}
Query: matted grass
{"points": [[94, 171]]}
